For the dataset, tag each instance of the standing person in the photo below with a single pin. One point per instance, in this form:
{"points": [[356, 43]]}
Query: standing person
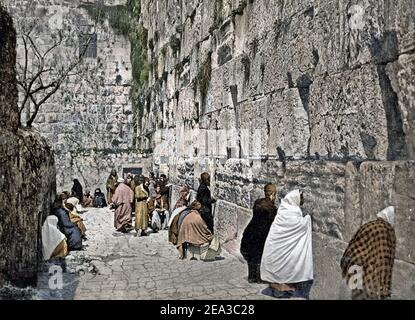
{"points": [[205, 198], [371, 255], [111, 184], [77, 190], [152, 186], [180, 206], [122, 201], [287, 261], [141, 207], [255, 234], [164, 191]]}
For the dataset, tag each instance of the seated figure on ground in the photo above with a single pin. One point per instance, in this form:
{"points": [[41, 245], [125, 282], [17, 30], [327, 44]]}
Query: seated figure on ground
{"points": [[195, 240], [70, 230], [99, 199], [75, 218], [160, 217], [287, 261], [87, 201], [54, 243]]}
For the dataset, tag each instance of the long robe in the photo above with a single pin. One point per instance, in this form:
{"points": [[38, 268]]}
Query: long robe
{"points": [[70, 230], [288, 254], [123, 198], [141, 208], [52, 239], [193, 231], [111, 183], [205, 198], [255, 234], [373, 249], [77, 220]]}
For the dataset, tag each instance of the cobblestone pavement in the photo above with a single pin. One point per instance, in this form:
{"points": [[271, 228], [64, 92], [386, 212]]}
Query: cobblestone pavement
{"points": [[115, 266]]}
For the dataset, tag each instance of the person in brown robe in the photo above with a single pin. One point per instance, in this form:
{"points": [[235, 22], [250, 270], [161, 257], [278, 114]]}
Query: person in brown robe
{"points": [[174, 224], [123, 200], [111, 184], [87, 200], [195, 232], [184, 198], [141, 207]]}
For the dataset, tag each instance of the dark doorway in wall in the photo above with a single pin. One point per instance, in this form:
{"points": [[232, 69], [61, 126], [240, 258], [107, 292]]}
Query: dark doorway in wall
{"points": [[133, 170]]}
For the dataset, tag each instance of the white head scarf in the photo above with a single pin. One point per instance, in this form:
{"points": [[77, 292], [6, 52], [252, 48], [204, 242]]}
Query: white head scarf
{"points": [[288, 256], [120, 180], [51, 236], [388, 215], [73, 201]]}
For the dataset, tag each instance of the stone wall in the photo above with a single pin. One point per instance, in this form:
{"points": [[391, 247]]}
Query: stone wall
{"points": [[308, 94], [27, 175], [89, 121]]}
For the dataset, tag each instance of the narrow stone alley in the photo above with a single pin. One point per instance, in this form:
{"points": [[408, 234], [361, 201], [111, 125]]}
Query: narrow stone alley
{"points": [[124, 267]]}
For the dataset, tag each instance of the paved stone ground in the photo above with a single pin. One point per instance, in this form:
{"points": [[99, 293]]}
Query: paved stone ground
{"points": [[114, 266]]}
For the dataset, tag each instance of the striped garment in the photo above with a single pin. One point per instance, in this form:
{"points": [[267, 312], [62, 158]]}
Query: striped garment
{"points": [[373, 250]]}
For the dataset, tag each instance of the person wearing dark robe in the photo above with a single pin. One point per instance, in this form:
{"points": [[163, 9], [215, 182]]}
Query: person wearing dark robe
{"points": [[77, 190], [205, 198], [255, 234], [71, 231], [164, 191], [370, 257], [99, 199], [111, 184], [123, 200]]}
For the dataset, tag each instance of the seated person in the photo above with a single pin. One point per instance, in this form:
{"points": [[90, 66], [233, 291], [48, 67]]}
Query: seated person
{"points": [[76, 219], [87, 200], [180, 207], [195, 240], [70, 230], [99, 199], [54, 243], [160, 216]]}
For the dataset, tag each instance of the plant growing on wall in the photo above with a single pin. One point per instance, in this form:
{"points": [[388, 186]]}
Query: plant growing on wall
{"points": [[41, 70]]}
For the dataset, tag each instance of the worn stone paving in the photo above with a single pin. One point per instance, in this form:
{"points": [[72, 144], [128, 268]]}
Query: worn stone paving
{"points": [[115, 266]]}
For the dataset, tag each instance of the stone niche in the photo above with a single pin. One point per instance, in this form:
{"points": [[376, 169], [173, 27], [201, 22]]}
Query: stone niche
{"points": [[27, 176]]}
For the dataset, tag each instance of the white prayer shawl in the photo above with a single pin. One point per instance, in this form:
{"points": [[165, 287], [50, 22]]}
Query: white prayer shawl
{"points": [[288, 255], [388, 215], [51, 237], [175, 213]]}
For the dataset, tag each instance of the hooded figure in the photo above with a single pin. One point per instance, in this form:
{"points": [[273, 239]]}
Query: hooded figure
{"points": [[255, 234], [111, 184], [287, 261], [77, 190], [99, 199], [205, 198], [53, 241], [372, 253]]}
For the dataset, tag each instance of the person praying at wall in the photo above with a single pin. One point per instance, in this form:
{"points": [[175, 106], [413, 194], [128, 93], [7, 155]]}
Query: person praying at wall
{"points": [[255, 234], [287, 260], [111, 185], [77, 190], [70, 230], [205, 198], [367, 263], [123, 200], [141, 206], [195, 240], [99, 199], [181, 206]]}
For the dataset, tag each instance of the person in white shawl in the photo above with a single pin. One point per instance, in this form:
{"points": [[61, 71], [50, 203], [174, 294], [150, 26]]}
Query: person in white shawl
{"points": [[53, 241], [287, 261]]}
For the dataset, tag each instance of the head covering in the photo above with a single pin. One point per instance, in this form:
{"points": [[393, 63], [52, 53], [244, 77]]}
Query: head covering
{"points": [[73, 201], [205, 178], [51, 236], [288, 256], [196, 205], [120, 180], [388, 215], [270, 189]]}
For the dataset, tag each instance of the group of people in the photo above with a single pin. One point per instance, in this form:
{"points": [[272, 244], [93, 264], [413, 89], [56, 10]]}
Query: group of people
{"points": [[190, 224], [277, 245]]}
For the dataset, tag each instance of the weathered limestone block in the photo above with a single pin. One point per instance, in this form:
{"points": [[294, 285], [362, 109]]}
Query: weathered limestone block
{"points": [[401, 74], [403, 286], [346, 121]]}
